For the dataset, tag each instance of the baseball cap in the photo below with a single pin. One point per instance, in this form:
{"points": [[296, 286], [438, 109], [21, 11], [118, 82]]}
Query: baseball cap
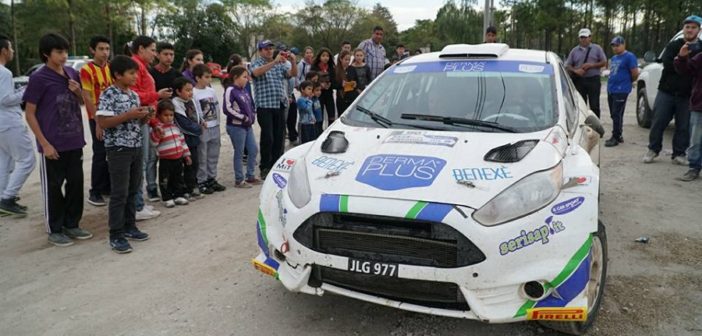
{"points": [[617, 40], [265, 44], [295, 50], [584, 32], [693, 19]]}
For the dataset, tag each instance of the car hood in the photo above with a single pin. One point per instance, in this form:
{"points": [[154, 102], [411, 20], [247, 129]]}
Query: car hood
{"points": [[432, 166]]}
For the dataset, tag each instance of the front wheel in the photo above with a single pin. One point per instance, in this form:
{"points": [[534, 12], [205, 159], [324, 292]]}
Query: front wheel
{"points": [[644, 115], [595, 286]]}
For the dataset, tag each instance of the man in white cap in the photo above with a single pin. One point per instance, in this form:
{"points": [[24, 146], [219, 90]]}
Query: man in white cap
{"points": [[584, 64]]}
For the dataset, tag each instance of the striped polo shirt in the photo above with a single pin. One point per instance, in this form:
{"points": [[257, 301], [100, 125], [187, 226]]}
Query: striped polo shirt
{"points": [[95, 79]]}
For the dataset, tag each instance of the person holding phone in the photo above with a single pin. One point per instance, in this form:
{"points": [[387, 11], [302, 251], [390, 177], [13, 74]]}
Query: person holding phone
{"points": [[121, 116], [689, 63], [53, 98], [143, 50]]}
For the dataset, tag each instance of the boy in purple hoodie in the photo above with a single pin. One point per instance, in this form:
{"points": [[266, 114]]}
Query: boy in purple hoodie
{"points": [[689, 62], [238, 107], [53, 114]]}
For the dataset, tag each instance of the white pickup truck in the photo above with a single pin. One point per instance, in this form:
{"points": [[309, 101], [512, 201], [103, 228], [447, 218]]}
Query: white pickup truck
{"points": [[647, 85]]}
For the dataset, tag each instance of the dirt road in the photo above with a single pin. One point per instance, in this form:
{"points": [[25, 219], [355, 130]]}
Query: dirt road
{"points": [[193, 277]]}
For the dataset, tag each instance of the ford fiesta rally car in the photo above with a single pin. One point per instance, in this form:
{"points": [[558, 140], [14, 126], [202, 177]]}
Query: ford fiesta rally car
{"points": [[461, 183]]}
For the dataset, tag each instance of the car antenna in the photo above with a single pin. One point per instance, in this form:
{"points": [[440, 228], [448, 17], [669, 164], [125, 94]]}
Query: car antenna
{"points": [[546, 57]]}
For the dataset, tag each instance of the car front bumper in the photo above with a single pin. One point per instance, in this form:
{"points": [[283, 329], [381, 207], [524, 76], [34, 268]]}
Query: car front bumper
{"points": [[550, 246]]}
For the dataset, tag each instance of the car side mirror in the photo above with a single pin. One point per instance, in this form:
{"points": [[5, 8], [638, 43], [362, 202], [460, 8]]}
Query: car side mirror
{"points": [[650, 57], [594, 122]]}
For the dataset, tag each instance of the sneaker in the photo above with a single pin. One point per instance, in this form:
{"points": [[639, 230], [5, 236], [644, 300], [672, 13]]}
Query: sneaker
{"points": [[680, 161], [150, 207], [120, 245], [205, 189], [613, 142], [153, 196], [145, 214], [181, 201], [9, 206], [170, 204], [254, 181], [196, 195], [77, 233], [135, 234], [97, 200], [214, 185], [650, 156], [60, 239], [691, 175], [17, 199], [264, 173], [242, 185]]}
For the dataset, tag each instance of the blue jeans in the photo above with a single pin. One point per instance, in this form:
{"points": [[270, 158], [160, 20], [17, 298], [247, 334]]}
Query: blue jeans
{"points": [[149, 164], [694, 153], [617, 104], [665, 108], [243, 138]]}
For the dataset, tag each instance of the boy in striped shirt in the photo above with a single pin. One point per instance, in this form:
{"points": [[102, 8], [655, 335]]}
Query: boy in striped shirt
{"points": [[172, 153], [95, 77]]}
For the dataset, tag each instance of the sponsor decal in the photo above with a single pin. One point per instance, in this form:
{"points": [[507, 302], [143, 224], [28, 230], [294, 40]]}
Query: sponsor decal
{"points": [[279, 180], [557, 314], [482, 174], [396, 172], [464, 67], [527, 238], [282, 212], [405, 69], [332, 164], [284, 165], [567, 206], [415, 137], [530, 68]]}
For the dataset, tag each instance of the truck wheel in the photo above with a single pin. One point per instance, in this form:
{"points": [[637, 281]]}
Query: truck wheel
{"points": [[644, 115], [595, 286]]}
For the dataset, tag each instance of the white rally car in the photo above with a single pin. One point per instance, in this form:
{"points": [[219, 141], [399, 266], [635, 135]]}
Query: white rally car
{"points": [[461, 183]]}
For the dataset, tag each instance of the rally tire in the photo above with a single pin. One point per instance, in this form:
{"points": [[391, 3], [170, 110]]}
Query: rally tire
{"points": [[644, 115], [579, 328]]}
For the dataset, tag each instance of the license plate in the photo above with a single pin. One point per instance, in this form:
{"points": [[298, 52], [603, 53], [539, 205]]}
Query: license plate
{"points": [[373, 267]]}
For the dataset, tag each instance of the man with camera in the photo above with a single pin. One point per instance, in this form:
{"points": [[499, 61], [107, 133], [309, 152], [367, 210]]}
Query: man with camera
{"points": [[673, 98], [689, 61], [269, 77], [584, 64]]}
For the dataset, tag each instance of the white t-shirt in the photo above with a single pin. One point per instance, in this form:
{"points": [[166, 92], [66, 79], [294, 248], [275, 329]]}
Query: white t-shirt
{"points": [[209, 105]]}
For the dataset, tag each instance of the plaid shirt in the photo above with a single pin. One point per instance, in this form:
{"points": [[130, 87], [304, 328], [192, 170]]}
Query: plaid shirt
{"points": [[375, 56], [269, 88]]}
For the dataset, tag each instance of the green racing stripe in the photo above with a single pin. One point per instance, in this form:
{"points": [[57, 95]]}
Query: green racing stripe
{"points": [[416, 209], [572, 264], [262, 226]]}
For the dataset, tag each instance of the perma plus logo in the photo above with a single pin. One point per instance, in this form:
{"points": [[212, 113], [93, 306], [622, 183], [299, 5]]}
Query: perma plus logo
{"points": [[396, 172]]}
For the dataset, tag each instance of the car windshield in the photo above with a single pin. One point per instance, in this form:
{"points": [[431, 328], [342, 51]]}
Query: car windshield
{"points": [[474, 96]]}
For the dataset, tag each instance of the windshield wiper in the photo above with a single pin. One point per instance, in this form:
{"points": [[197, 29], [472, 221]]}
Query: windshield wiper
{"points": [[385, 122], [380, 120], [459, 121]]}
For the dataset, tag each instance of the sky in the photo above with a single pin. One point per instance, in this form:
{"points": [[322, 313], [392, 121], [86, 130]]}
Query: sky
{"points": [[405, 12]]}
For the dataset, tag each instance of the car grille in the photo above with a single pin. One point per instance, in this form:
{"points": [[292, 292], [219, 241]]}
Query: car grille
{"points": [[388, 239], [433, 294]]}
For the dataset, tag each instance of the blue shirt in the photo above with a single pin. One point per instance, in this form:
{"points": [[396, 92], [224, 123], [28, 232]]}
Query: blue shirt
{"points": [[620, 80], [304, 108], [269, 88], [317, 109]]}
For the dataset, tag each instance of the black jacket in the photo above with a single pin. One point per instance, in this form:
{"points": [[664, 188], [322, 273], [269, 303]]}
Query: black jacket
{"points": [[672, 82]]}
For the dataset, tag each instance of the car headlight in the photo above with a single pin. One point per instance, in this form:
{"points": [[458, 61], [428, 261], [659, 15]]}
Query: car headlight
{"points": [[299, 185], [522, 198]]}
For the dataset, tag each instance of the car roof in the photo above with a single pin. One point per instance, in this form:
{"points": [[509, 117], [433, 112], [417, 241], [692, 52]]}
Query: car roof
{"points": [[485, 51]]}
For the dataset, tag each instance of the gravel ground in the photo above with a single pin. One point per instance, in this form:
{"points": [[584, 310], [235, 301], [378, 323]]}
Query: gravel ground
{"points": [[194, 276]]}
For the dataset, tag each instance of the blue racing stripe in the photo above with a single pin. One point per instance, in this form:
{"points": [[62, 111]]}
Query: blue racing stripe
{"points": [[272, 263], [329, 203], [434, 212], [261, 243], [570, 288]]}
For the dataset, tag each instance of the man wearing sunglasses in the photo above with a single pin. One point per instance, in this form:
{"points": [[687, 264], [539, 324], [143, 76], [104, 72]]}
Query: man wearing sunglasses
{"points": [[584, 64]]}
